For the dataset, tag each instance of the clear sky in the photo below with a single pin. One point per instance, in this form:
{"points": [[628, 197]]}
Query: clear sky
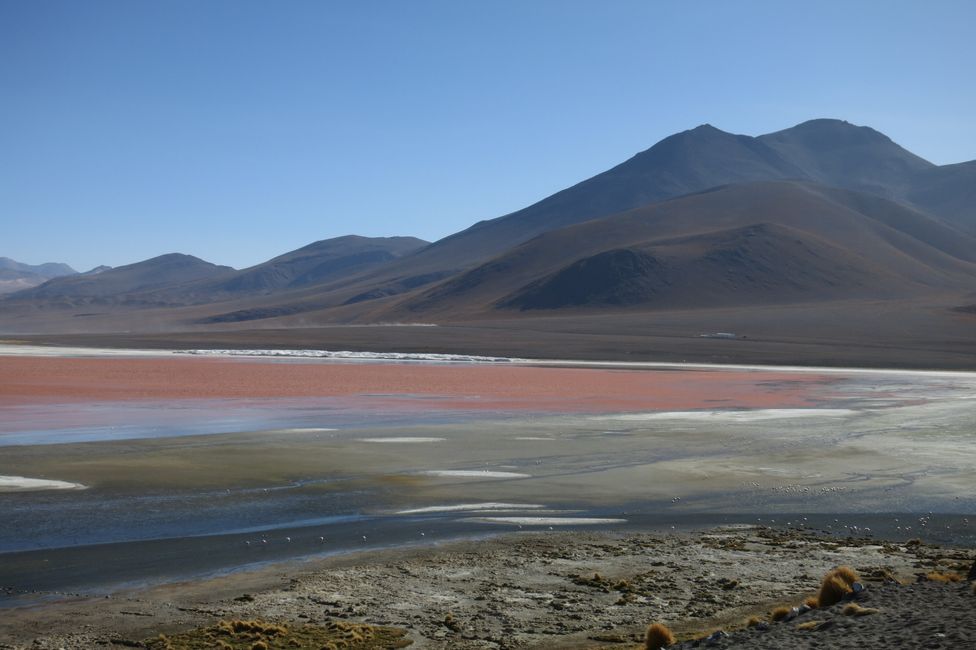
{"points": [[236, 130]]}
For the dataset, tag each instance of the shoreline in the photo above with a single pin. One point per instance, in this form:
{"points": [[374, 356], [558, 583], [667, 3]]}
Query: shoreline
{"points": [[542, 590], [392, 357]]}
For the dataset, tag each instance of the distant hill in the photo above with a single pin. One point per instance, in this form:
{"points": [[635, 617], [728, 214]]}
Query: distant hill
{"points": [[180, 280], [15, 276], [320, 262], [132, 284]]}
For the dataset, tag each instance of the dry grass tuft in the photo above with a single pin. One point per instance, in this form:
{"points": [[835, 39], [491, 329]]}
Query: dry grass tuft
{"points": [[809, 625], [847, 574], [658, 636], [812, 602], [853, 609], [262, 635], [832, 591], [753, 621], [836, 585], [779, 613], [941, 576]]}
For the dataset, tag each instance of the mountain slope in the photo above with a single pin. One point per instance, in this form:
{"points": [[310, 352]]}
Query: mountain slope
{"points": [[948, 191], [686, 162], [834, 152], [831, 152], [320, 262], [739, 244]]}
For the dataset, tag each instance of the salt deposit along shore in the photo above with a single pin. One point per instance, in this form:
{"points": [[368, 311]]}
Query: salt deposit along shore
{"points": [[308, 484], [25, 484]]}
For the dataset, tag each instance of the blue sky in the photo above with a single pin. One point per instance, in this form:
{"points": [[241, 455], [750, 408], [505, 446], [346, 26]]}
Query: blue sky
{"points": [[237, 130]]}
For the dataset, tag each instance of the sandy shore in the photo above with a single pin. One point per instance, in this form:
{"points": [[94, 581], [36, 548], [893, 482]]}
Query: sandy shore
{"points": [[551, 590]]}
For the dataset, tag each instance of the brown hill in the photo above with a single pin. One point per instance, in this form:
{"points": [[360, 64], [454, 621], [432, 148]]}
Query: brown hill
{"points": [[740, 244], [831, 152]]}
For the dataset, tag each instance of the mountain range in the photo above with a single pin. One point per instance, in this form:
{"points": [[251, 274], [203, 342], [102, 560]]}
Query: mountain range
{"points": [[15, 276], [824, 212]]}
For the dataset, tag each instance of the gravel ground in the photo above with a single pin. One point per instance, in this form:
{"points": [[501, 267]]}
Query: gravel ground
{"points": [[555, 590]]}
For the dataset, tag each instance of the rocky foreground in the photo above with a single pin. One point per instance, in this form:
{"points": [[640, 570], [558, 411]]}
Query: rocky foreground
{"points": [[929, 614], [553, 590]]}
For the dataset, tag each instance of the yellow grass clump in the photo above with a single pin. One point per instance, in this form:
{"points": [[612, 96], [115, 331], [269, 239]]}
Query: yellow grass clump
{"points": [[847, 574], [779, 613], [853, 609], [812, 602], [809, 625], [753, 621], [939, 576], [263, 635], [658, 636], [836, 584]]}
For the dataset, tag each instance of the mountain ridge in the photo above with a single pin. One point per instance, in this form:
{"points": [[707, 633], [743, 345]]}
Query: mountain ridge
{"points": [[913, 220]]}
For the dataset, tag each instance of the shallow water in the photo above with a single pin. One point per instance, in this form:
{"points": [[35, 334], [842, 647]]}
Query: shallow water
{"points": [[188, 487]]}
